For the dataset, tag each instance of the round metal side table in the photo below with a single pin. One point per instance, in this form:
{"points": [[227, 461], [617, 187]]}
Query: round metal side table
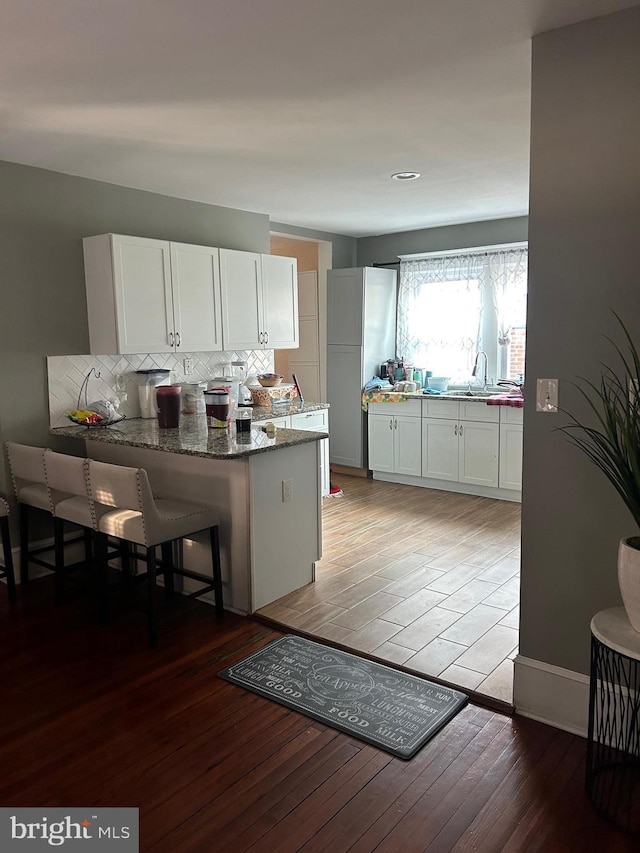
{"points": [[613, 740]]}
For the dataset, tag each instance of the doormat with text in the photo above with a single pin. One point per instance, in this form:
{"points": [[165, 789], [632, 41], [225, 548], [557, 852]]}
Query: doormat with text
{"points": [[392, 710]]}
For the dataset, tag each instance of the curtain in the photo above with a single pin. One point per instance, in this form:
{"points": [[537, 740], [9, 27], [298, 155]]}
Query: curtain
{"points": [[452, 306], [440, 308], [508, 278]]}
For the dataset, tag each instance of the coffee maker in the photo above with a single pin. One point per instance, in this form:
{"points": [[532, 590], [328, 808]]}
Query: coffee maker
{"points": [[393, 369]]}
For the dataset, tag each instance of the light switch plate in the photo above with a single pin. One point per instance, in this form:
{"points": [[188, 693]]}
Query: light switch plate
{"points": [[547, 395]]}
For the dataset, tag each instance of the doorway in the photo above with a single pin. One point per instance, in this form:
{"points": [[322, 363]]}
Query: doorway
{"points": [[308, 362]]}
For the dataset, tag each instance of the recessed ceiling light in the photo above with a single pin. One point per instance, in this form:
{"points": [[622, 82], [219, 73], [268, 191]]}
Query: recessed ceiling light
{"points": [[406, 176]]}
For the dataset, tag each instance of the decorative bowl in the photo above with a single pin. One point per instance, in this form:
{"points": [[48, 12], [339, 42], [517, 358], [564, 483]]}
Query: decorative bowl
{"points": [[438, 383], [270, 380], [95, 424]]}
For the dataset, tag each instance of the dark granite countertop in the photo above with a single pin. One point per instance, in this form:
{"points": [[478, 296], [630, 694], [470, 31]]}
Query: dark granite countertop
{"points": [[193, 437], [263, 413]]}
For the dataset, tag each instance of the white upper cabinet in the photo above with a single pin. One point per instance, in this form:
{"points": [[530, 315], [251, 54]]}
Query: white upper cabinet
{"points": [[259, 300], [241, 283], [280, 301], [197, 310], [146, 295]]}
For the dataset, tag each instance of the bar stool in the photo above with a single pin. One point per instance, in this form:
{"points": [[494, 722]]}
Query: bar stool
{"points": [[149, 521], [67, 479], [26, 464], [7, 572]]}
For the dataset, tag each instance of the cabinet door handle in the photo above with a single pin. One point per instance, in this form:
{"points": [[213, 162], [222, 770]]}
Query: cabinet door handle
{"points": [[395, 423], [460, 429], [170, 339], [390, 423], [266, 337], [177, 339], [455, 429]]}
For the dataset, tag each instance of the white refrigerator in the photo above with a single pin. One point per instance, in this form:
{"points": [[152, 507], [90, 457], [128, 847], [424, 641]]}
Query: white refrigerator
{"points": [[361, 335]]}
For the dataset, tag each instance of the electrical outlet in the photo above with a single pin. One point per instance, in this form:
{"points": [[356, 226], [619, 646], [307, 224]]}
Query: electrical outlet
{"points": [[287, 491], [547, 395], [187, 365]]}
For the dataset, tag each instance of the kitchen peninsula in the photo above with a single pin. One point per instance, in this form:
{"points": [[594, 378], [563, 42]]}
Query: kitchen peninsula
{"points": [[266, 490]]}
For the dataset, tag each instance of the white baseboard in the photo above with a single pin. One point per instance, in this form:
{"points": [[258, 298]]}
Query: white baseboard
{"points": [[514, 495], [551, 694]]}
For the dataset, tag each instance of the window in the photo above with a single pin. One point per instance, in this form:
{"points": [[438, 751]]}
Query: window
{"points": [[451, 306]]}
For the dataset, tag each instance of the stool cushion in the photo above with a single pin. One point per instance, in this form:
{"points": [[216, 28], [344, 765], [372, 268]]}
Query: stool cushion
{"points": [[175, 519], [78, 510], [36, 495]]}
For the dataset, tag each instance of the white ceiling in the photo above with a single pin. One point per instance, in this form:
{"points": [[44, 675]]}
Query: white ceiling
{"points": [[300, 109]]}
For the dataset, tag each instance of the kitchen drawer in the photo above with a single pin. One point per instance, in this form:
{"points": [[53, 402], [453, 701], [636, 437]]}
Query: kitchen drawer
{"points": [[411, 408], [317, 421], [511, 415], [441, 408], [479, 412], [284, 422]]}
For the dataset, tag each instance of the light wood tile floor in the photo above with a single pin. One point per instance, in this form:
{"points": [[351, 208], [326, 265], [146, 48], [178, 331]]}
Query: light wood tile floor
{"points": [[425, 579]]}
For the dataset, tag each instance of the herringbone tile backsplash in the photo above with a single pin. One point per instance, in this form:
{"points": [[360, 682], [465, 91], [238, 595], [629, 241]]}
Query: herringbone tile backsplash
{"points": [[67, 373]]}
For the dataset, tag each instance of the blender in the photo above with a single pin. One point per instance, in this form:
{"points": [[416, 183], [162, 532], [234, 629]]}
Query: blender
{"points": [[148, 381], [239, 371]]}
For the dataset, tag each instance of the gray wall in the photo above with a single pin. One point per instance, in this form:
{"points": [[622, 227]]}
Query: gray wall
{"points": [[385, 248], [43, 217], [584, 239]]}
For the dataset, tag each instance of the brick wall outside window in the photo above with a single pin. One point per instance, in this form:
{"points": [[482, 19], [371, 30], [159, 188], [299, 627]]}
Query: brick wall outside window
{"points": [[516, 352]]}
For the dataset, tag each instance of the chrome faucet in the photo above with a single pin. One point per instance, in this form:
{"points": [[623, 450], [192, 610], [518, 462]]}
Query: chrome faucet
{"points": [[486, 367]]}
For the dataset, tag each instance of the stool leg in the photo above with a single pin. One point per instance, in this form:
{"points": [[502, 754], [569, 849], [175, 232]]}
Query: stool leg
{"points": [[125, 560], [8, 558], [58, 549], [88, 547], [24, 543], [152, 620], [167, 566], [101, 577], [217, 569]]}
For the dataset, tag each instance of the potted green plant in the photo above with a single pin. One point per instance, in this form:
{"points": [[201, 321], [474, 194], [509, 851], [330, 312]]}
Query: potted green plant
{"points": [[613, 445]]}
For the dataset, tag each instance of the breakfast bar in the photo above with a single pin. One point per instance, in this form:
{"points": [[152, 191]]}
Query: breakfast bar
{"points": [[266, 489]]}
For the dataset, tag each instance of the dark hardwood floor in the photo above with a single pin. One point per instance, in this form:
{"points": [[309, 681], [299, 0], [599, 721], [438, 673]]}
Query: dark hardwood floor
{"points": [[91, 716]]}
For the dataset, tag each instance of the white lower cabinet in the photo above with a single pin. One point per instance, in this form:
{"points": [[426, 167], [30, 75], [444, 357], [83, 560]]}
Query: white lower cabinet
{"points": [[395, 438], [440, 449], [460, 451], [511, 449], [478, 453], [316, 421], [460, 442], [454, 441]]}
